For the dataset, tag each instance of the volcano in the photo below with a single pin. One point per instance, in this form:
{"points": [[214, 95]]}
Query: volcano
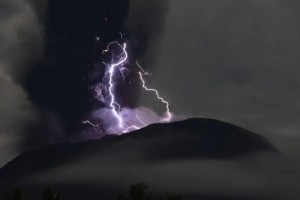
{"points": [[131, 157]]}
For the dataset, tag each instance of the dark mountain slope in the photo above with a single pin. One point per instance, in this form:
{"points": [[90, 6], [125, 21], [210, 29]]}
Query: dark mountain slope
{"points": [[191, 139]]}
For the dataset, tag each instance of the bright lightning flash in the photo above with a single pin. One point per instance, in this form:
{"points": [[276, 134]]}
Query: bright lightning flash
{"points": [[111, 72], [114, 106], [168, 113]]}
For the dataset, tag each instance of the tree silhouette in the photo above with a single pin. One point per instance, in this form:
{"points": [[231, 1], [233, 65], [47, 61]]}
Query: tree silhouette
{"points": [[50, 194], [137, 192], [173, 197], [16, 194], [140, 191]]}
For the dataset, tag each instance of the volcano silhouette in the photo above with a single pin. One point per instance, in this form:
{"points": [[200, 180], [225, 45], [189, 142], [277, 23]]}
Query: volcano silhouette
{"points": [[191, 139]]}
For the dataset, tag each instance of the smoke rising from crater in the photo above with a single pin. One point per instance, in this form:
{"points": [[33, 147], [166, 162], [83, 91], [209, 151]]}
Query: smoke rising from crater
{"points": [[48, 52]]}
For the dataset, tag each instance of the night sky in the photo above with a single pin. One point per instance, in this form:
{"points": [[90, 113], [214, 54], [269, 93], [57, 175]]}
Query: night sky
{"points": [[236, 61]]}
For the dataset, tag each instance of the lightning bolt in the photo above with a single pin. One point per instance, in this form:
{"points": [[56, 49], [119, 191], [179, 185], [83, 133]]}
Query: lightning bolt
{"points": [[140, 120], [124, 126], [90, 123], [168, 113], [144, 73], [122, 34], [131, 128], [113, 104], [135, 127]]}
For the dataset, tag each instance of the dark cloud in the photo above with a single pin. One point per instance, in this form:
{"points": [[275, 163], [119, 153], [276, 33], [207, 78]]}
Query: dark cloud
{"points": [[146, 23], [231, 60], [236, 61], [40, 7], [21, 44], [49, 55], [20, 31], [61, 83]]}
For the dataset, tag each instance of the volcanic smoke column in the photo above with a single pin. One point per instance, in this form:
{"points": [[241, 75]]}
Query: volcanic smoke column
{"points": [[123, 120]]}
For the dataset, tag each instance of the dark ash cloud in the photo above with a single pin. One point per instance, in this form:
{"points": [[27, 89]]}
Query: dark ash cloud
{"points": [[231, 60], [236, 61], [48, 52], [146, 23], [62, 83], [21, 44]]}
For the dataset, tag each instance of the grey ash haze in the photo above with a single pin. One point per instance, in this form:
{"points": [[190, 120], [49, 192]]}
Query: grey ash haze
{"points": [[232, 60], [237, 61], [21, 42]]}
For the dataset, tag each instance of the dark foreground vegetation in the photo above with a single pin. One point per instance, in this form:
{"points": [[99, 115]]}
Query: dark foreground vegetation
{"points": [[138, 191]]}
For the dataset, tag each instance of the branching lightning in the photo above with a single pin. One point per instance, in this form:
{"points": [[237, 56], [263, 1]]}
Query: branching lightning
{"points": [[111, 72], [141, 74], [109, 84], [90, 123], [122, 34]]}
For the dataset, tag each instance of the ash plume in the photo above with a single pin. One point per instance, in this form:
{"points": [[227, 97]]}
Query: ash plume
{"points": [[21, 35], [51, 59]]}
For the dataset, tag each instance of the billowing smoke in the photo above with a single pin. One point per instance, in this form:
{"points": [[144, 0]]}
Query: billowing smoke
{"points": [[21, 39], [21, 44], [53, 50], [51, 63], [146, 23]]}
